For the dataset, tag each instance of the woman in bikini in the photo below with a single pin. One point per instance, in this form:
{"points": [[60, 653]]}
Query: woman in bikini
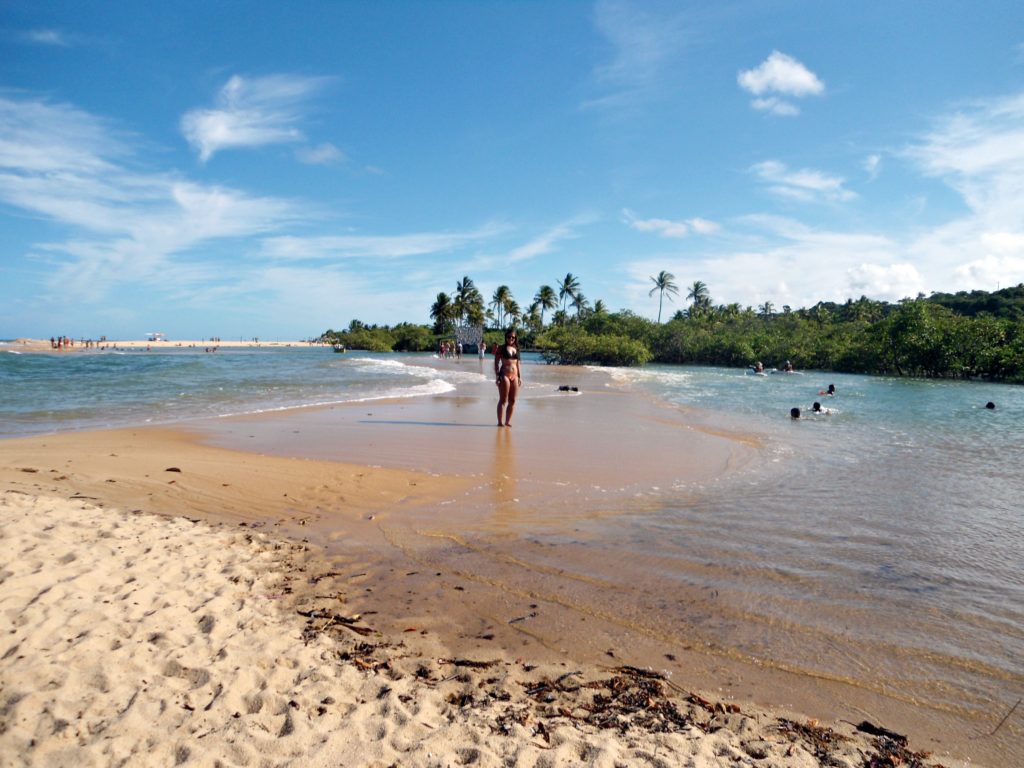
{"points": [[509, 379]]}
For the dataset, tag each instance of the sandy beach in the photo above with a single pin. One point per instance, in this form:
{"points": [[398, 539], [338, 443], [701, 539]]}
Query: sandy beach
{"points": [[175, 602], [144, 640]]}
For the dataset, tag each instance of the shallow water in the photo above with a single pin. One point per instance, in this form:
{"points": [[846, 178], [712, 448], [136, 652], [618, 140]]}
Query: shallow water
{"points": [[883, 541], [879, 545]]}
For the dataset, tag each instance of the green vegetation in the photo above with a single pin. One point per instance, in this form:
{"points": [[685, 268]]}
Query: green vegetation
{"points": [[574, 345], [962, 335]]}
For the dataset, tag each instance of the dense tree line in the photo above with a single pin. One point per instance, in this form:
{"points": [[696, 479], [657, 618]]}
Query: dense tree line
{"points": [[1006, 303], [963, 335]]}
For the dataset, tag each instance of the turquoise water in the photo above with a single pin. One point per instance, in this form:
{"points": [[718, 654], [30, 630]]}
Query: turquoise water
{"points": [[882, 543]]}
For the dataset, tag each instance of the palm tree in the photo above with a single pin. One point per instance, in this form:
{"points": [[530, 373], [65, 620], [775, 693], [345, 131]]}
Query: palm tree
{"points": [[534, 317], [600, 308], [501, 297], [512, 311], [700, 296], [568, 288], [467, 299], [476, 314], [545, 299], [580, 302], [442, 312], [664, 283], [767, 309]]}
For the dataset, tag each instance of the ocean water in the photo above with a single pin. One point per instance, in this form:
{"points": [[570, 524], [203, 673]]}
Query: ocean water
{"points": [[45, 393], [880, 545]]}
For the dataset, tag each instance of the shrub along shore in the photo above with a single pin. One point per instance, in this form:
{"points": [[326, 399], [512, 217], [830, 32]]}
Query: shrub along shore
{"points": [[963, 335]]}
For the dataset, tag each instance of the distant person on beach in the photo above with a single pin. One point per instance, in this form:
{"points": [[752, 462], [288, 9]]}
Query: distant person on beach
{"points": [[508, 375]]}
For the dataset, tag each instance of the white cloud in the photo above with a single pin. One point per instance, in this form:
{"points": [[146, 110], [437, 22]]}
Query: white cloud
{"points": [[786, 262], [776, 106], [777, 76], [373, 246], [805, 184], [251, 113], [544, 243], [992, 272], [643, 43], [669, 228], [873, 166], [67, 166], [37, 137], [979, 153], [48, 37], [892, 282], [323, 154]]}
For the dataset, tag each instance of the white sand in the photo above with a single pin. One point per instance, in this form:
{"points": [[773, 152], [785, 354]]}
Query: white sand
{"points": [[138, 640]]}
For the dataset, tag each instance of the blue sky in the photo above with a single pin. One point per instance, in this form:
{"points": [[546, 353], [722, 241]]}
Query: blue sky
{"points": [[275, 169]]}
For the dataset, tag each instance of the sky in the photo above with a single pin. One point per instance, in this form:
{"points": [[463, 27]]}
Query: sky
{"points": [[272, 170]]}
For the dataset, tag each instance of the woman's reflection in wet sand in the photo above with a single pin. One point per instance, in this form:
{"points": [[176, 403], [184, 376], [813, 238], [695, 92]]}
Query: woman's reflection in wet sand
{"points": [[503, 480]]}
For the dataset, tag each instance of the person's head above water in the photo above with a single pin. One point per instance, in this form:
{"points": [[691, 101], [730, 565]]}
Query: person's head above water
{"points": [[990, 405], [831, 389], [794, 413], [817, 407]]}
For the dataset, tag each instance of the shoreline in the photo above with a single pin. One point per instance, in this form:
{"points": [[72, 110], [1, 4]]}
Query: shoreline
{"points": [[356, 511]]}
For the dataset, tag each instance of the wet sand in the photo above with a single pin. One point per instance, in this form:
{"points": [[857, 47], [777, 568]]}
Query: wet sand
{"points": [[420, 517], [567, 455]]}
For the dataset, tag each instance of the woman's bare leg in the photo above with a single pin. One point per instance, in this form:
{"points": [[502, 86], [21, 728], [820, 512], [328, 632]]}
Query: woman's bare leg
{"points": [[513, 390], [504, 385]]}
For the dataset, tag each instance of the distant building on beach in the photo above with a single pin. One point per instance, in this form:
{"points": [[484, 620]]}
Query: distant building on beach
{"points": [[471, 337]]}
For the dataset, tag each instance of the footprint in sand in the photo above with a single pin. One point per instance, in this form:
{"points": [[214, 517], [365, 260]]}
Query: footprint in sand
{"points": [[195, 677]]}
